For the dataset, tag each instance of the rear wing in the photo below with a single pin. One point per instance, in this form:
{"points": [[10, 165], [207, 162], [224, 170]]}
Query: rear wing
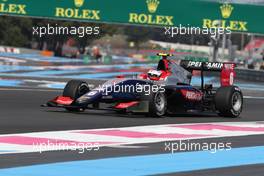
{"points": [[205, 66], [227, 70]]}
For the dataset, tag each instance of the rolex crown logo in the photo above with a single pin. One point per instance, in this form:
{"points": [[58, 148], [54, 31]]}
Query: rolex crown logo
{"points": [[226, 10], [152, 5], [78, 3]]}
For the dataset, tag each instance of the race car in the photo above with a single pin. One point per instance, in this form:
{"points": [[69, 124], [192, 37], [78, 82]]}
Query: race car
{"points": [[161, 91]]}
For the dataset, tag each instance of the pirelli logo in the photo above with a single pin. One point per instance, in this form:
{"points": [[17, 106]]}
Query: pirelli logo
{"points": [[194, 65]]}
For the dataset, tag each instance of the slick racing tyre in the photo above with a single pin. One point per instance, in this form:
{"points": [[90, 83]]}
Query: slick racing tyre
{"points": [[157, 104], [229, 101], [75, 89]]}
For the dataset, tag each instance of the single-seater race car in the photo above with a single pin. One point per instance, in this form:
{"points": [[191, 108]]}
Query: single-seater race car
{"points": [[164, 90]]}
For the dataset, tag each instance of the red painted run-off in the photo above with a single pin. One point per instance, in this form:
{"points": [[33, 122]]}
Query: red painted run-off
{"points": [[135, 134], [220, 127], [23, 140]]}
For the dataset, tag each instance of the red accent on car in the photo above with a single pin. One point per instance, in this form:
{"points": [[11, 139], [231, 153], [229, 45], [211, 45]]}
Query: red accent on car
{"points": [[166, 63], [164, 75], [227, 74], [192, 95], [120, 76], [143, 76], [63, 100], [126, 105], [196, 73]]}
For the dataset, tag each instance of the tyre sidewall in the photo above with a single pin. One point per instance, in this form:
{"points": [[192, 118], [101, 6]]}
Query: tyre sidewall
{"points": [[72, 89], [223, 101], [153, 110]]}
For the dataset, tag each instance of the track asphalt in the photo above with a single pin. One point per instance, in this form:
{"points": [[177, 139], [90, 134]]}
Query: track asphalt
{"points": [[20, 112]]}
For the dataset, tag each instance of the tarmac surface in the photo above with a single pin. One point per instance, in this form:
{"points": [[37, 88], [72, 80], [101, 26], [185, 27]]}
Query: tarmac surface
{"points": [[27, 81], [20, 112]]}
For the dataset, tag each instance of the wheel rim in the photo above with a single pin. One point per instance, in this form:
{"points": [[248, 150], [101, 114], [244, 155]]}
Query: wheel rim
{"points": [[160, 102], [236, 101], [82, 89]]}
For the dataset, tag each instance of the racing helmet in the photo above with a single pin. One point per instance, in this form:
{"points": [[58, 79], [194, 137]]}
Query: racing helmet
{"points": [[154, 74]]}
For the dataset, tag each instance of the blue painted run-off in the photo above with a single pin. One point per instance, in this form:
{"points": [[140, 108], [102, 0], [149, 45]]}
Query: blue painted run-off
{"points": [[10, 83], [146, 164]]}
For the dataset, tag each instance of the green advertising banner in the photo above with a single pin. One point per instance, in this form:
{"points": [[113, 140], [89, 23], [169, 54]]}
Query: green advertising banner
{"points": [[193, 13]]}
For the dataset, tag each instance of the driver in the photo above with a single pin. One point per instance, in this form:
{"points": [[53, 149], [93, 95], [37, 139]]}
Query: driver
{"points": [[162, 69], [164, 62]]}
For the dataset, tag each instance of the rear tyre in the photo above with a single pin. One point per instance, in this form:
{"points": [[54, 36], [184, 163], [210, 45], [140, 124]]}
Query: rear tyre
{"points": [[75, 89], [229, 101], [157, 104]]}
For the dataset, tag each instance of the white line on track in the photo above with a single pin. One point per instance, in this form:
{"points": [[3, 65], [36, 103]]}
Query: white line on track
{"points": [[28, 89], [129, 146], [252, 97]]}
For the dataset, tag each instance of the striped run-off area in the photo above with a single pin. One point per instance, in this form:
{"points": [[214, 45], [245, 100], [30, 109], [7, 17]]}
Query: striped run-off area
{"points": [[95, 138]]}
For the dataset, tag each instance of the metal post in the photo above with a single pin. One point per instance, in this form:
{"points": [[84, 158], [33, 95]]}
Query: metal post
{"points": [[223, 46], [202, 77]]}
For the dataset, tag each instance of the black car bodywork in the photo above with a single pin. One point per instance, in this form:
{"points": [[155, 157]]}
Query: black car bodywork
{"points": [[172, 94]]}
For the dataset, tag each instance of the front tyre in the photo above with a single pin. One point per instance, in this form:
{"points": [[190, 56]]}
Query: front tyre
{"points": [[229, 101], [157, 104], [75, 89]]}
